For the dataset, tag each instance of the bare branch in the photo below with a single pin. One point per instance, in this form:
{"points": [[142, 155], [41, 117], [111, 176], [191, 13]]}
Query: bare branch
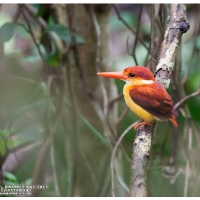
{"points": [[127, 46], [194, 94], [187, 173], [190, 65], [33, 36], [160, 24], [137, 35], [126, 24], [122, 115], [40, 21], [97, 59], [53, 163]]}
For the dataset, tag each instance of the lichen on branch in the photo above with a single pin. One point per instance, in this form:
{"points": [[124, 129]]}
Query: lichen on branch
{"points": [[177, 25]]}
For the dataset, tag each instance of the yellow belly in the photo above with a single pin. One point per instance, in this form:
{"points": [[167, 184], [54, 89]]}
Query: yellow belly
{"points": [[139, 111]]}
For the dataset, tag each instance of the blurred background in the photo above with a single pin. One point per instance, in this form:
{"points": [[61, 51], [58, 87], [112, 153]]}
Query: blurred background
{"points": [[60, 123]]}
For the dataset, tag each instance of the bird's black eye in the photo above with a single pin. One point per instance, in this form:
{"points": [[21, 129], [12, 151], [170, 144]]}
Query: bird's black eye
{"points": [[131, 75]]}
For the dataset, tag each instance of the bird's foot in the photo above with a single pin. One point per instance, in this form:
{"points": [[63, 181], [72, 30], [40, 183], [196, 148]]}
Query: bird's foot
{"points": [[140, 124]]}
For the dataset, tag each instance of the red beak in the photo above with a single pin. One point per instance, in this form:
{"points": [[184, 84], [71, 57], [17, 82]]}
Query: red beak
{"points": [[118, 75]]}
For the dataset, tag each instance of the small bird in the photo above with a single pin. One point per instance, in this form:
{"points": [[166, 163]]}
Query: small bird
{"points": [[144, 96]]}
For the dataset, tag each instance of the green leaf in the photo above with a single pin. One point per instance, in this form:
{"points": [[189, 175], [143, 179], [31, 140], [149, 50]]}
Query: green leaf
{"points": [[10, 177], [5, 141], [27, 181], [50, 57], [2, 147], [7, 31], [28, 134], [63, 33], [40, 9], [51, 21]]}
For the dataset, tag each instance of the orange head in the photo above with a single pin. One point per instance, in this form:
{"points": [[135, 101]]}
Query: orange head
{"points": [[130, 74]]}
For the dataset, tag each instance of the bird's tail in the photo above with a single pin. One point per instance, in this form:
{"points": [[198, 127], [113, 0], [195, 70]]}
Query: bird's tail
{"points": [[173, 120]]}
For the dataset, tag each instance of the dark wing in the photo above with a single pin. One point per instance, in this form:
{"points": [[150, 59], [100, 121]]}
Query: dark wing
{"points": [[154, 99]]}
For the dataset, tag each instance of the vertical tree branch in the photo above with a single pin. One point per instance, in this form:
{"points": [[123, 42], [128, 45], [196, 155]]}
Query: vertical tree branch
{"points": [[140, 158], [176, 26]]}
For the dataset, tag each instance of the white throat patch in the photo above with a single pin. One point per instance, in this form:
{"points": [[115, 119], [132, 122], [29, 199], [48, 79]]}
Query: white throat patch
{"points": [[147, 81], [139, 82]]}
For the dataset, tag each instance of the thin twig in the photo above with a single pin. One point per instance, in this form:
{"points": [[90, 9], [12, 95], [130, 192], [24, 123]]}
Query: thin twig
{"points": [[176, 80], [103, 115], [40, 21], [137, 34], [33, 36], [52, 130], [53, 164], [160, 32], [33, 12], [152, 38], [127, 46], [105, 169], [115, 99], [163, 145], [190, 64], [118, 172], [159, 21], [24, 79], [97, 59], [187, 173], [90, 170], [146, 61], [125, 111], [186, 98], [126, 24], [39, 165], [110, 106], [113, 156], [16, 15]]}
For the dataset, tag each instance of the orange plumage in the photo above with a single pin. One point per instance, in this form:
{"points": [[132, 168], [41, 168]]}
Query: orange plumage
{"points": [[144, 96]]}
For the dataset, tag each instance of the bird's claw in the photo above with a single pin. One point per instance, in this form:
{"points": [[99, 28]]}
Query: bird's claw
{"points": [[141, 124]]}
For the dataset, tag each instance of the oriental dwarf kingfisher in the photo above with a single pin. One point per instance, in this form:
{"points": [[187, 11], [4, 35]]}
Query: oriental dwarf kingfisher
{"points": [[144, 96]]}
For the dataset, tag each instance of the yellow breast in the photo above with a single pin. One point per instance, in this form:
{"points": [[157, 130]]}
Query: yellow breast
{"points": [[146, 116]]}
